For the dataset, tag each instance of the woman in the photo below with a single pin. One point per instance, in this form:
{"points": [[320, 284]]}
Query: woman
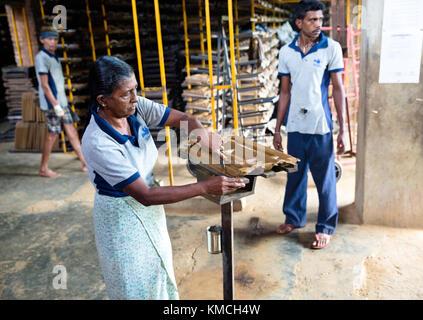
{"points": [[132, 240]]}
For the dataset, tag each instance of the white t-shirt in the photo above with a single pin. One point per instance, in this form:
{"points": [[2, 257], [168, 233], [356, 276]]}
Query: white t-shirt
{"points": [[49, 64], [309, 110], [115, 160]]}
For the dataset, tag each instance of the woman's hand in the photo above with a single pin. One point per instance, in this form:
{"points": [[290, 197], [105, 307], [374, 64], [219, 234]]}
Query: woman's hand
{"points": [[222, 185], [212, 142]]}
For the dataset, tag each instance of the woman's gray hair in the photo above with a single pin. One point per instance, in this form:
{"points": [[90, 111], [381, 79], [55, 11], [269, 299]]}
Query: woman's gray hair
{"points": [[106, 74]]}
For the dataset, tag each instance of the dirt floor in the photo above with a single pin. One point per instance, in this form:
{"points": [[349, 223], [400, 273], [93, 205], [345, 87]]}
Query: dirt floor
{"points": [[45, 223]]}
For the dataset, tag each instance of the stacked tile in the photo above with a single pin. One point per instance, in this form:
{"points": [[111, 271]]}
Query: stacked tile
{"points": [[31, 130], [267, 79], [16, 81]]}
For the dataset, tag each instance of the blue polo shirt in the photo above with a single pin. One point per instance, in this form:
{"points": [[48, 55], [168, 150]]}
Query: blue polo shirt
{"points": [[48, 63], [309, 110], [115, 160]]}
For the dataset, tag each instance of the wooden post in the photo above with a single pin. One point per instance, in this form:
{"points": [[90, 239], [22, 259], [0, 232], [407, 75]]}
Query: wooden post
{"points": [[338, 19], [227, 251]]}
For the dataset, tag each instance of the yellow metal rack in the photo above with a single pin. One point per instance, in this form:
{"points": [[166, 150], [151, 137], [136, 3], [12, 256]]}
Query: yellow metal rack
{"points": [[188, 67], [28, 39], [137, 45], [106, 28], [90, 28], [16, 37], [162, 72], [232, 57], [163, 82], [210, 60]]}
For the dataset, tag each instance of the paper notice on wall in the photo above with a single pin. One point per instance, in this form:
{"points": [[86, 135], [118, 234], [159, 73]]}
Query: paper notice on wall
{"points": [[401, 15], [400, 57], [402, 38]]}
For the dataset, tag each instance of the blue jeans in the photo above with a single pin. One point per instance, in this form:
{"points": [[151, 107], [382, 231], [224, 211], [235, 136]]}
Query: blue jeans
{"points": [[317, 153]]}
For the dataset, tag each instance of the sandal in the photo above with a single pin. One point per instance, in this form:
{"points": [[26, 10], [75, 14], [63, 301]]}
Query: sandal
{"points": [[322, 240], [285, 228]]}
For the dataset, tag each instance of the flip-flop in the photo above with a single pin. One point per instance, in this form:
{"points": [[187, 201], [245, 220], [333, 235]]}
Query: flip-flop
{"points": [[318, 238], [289, 228]]}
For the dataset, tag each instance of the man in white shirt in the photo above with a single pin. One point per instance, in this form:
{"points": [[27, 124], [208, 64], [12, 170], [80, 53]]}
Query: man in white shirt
{"points": [[306, 67]]}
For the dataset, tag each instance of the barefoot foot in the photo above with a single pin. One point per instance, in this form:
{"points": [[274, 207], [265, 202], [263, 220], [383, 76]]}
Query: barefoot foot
{"points": [[47, 173]]}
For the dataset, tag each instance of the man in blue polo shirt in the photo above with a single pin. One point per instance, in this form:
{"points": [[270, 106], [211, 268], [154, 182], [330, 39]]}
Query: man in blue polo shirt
{"points": [[306, 67], [53, 102]]}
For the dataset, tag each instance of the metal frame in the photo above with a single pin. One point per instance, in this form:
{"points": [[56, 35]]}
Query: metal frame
{"points": [[203, 172], [106, 28], [210, 61], [16, 36], [162, 72], [163, 82], [233, 69], [90, 28], [28, 39], [138, 46]]}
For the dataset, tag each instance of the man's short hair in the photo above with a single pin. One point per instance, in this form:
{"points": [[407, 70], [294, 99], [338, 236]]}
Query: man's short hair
{"points": [[307, 5], [48, 32]]}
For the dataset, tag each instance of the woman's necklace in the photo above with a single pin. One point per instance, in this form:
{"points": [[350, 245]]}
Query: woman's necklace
{"points": [[125, 129]]}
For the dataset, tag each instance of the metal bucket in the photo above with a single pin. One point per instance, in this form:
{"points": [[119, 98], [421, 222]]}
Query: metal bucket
{"points": [[214, 239]]}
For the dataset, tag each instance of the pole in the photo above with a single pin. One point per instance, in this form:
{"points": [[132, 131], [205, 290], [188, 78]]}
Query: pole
{"points": [[188, 66], [106, 28], [16, 37], [67, 71], [186, 41], [137, 45], [163, 81], [42, 11], [233, 68], [87, 9], [28, 39], [348, 12], [253, 24], [237, 32], [200, 15], [70, 89], [227, 251], [209, 54]]}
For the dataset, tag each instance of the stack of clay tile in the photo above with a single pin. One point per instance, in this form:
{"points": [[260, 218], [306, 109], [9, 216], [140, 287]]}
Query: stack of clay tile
{"points": [[243, 156], [198, 97], [16, 80], [31, 131], [200, 86], [255, 116]]}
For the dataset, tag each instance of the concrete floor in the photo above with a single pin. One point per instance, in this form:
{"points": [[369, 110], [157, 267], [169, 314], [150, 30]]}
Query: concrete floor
{"points": [[48, 222]]}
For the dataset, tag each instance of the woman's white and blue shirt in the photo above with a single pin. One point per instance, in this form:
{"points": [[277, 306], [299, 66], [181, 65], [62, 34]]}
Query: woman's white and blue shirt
{"points": [[115, 160]]}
